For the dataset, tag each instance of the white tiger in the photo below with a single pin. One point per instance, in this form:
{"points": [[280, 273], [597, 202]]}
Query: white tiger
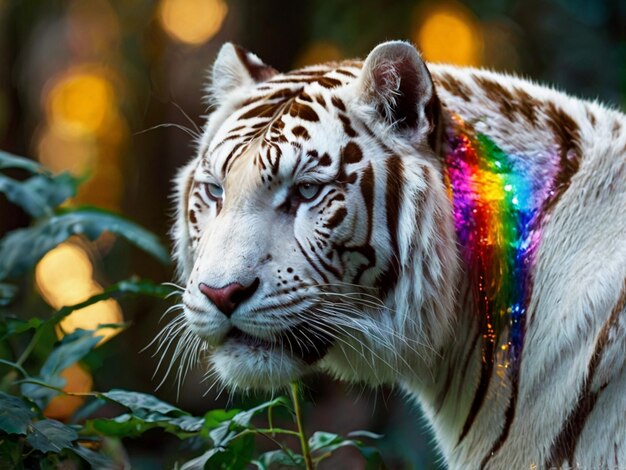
{"points": [[459, 232]]}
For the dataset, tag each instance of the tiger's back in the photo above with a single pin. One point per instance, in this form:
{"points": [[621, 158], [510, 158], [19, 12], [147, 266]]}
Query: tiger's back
{"points": [[574, 342], [462, 235]]}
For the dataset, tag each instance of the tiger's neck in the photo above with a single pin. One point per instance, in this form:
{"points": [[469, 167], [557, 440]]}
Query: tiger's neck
{"points": [[452, 389], [498, 203]]}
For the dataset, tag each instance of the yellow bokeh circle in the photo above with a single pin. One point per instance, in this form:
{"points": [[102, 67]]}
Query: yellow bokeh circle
{"points": [[449, 33], [81, 101], [192, 21], [77, 380], [64, 276]]}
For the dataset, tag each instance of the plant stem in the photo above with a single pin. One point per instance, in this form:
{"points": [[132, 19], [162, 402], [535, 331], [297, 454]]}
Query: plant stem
{"points": [[29, 348], [266, 431], [270, 420], [306, 452]]}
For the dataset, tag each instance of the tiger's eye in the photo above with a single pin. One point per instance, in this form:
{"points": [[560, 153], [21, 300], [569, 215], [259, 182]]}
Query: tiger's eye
{"points": [[308, 191], [214, 191]]}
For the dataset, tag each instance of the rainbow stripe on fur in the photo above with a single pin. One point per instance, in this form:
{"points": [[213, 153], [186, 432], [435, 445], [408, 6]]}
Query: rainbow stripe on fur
{"points": [[498, 204]]}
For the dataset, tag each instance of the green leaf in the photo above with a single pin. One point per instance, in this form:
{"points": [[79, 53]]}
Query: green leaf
{"points": [[15, 415], [242, 419], [7, 294], [234, 457], [216, 425], [189, 424], [49, 435], [125, 425], [198, 462], [21, 249], [39, 194], [222, 435], [147, 412], [128, 425], [279, 459], [8, 160], [322, 444], [215, 418], [226, 431], [327, 441], [10, 326], [97, 461], [71, 349], [142, 404]]}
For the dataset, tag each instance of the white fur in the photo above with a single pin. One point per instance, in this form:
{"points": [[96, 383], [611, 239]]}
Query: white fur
{"points": [[425, 326]]}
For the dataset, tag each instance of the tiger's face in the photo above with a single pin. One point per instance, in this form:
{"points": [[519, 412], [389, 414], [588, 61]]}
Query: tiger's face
{"points": [[299, 214]]}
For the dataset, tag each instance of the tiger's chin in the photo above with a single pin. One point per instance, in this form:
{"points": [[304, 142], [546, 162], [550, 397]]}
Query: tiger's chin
{"points": [[247, 362]]}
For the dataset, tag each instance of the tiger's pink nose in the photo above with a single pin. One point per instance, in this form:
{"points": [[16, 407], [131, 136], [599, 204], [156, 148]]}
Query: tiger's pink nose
{"points": [[227, 298]]}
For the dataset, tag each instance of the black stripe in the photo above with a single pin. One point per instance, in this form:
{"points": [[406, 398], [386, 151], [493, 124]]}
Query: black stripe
{"points": [[366, 185], [336, 219], [483, 384], [393, 205], [509, 415], [328, 267], [564, 445], [310, 261], [330, 197], [465, 367], [303, 111], [441, 396]]}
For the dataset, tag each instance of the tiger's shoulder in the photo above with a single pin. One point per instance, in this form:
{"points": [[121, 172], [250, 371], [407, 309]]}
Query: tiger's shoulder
{"points": [[523, 115]]}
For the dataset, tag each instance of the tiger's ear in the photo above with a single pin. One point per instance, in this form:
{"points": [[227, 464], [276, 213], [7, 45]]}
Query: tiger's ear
{"points": [[395, 81], [234, 68]]}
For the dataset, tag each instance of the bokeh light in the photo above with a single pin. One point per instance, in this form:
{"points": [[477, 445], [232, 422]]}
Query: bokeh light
{"points": [[85, 133], [449, 33], [192, 21], [64, 276], [77, 380], [59, 151], [81, 101], [90, 318]]}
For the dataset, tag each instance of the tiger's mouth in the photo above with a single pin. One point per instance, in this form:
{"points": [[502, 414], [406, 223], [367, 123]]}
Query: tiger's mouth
{"points": [[301, 342]]}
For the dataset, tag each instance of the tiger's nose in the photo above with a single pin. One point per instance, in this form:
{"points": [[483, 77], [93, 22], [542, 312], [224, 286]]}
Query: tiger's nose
{"points": [[228, 298]]}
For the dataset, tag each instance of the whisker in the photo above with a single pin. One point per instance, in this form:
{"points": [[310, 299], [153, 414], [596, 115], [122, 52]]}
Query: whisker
{"points": [[180, 127], [191, 121]]}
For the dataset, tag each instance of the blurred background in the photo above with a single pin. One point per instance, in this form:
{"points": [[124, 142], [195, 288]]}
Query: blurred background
{"points": [[112, 91]]}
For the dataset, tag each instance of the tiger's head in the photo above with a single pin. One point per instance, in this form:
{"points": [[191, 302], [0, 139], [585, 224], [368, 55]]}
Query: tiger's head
{"points": [[312, 226]]}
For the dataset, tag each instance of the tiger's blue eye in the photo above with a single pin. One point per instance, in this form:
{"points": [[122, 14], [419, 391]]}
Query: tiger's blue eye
{"points": [[214, 191], [308, 191]]}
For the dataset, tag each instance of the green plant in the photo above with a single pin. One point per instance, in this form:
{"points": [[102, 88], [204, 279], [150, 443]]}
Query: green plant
{"points": [[220, 439]]}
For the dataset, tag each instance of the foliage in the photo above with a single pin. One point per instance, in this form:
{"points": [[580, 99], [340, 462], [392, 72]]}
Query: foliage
{"points": [[28, 439]]}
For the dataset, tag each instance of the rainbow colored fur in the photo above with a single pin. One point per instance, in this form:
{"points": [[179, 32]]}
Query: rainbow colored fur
{"points": [[497, 205]]}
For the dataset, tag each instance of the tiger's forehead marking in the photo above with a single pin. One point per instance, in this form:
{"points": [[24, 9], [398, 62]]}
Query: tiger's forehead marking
{"points": [[277, 112]]}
